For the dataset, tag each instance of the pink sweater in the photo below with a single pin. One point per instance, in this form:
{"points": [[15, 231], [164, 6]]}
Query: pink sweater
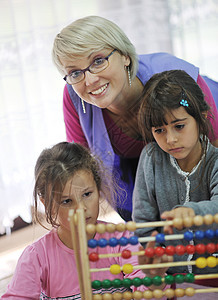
{"points": [[47, 269]]}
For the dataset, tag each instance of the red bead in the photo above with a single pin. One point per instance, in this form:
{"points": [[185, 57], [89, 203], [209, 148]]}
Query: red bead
{"points": [[217, 247], [149, 252], [200, 248], [93, 256], [190, 249], [170, 250], [126, 254], [180, 249], [211, 248], [159, 251]]}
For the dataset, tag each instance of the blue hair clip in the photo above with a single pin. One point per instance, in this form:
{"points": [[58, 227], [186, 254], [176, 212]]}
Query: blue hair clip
{"points": [[184, 102]]}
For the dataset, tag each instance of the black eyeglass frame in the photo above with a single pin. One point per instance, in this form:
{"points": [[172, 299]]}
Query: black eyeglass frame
{"points": [[88, 68]]}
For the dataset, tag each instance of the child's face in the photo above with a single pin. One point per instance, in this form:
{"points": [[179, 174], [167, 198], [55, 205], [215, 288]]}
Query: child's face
{"points": [[80, 190], [180, 137]]}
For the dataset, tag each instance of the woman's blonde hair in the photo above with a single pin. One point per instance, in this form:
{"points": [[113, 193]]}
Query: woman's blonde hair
{"points": [[92, 33]]}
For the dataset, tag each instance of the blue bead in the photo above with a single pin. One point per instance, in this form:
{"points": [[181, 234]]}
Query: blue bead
{"points": [[216, 232], [92, 243], [123, 241], [102, 243], [160, 238], [113, 242], [209, 233], [188, 236], [199, 234], [133, 240]]}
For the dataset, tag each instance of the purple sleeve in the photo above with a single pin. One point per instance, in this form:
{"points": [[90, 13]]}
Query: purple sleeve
{"points": [[210, 100]]}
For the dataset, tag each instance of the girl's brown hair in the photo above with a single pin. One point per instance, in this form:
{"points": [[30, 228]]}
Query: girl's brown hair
{"points": [[55, 166]]}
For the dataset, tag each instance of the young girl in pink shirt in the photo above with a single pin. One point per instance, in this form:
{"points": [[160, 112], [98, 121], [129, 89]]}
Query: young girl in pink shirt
{"points": [[67, 175]]}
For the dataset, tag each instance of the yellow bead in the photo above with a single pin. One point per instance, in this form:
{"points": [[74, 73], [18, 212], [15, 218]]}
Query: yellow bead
{"points": [[179, 292], [201, 262], [131, 226], [169, 293], [115, 269], [137, 295], [110, 227], [117, 296], [211, 262], [107, 296], [190, 291], [177, 223], [100, 228], [198, 220], [127, 268], [208, 219], [97, 297], [148, 294], [188, 222], [158, 294], [90, 228], [127, 295], [121, 227], [215, 218]]}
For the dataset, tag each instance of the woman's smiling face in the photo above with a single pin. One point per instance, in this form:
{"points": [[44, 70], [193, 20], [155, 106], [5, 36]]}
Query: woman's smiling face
{"points": [[104, 88]]}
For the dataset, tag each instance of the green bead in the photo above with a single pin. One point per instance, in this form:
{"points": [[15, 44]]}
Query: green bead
{"points": [[96, 284], [116, 283], [179, 278], [106, 283], [189, 277], [169, 279], [127, 282], [147, 281], [157, 280], [136, 281]]}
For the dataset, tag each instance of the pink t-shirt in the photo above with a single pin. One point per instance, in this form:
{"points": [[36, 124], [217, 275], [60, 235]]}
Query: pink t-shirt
{"points": [[47, 269], [75, 133]]}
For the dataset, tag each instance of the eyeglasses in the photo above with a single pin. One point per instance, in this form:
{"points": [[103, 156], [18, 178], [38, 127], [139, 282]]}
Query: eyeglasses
{"points": [[98, 65]]}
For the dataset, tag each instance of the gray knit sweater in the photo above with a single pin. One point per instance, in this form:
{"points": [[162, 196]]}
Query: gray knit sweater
{"points": [[161, 186]]}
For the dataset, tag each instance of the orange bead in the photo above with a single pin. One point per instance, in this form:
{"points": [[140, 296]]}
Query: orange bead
{"points": [[127, 295], [117, 296], [179, 292], [131, 226], [110, 227], [97, 297], [148, 294], [190, 291], [198, 220], [90, 229], [100, 228], [158, 294], [188, 222], [177, 222], [208, 219], [169, 293], [107, 296], [121, 227], [137, 295]]}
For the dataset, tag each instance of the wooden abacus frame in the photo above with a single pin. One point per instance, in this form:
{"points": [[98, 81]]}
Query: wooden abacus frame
{"points": [[79, 238]]}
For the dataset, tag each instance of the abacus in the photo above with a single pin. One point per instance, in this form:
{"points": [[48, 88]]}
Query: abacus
{"points": [[79, 230]]}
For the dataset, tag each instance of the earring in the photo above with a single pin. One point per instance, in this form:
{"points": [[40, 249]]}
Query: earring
{"points": [[83, 106], [129, 76]]}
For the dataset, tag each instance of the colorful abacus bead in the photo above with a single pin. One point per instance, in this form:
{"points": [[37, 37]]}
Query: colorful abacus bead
{"points": [[115, 269], [126, 254], [93, 256]]}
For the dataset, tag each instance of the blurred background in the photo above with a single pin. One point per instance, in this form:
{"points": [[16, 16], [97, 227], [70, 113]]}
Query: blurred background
{"points": [[31, 88]]}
